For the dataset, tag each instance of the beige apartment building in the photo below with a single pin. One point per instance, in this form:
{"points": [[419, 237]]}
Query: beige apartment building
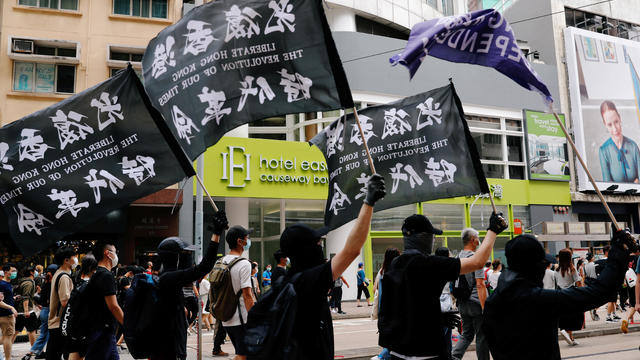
{"points": [[50, 49]]}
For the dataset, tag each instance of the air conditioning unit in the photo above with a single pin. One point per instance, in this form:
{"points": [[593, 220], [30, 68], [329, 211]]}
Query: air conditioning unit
{"points": [[22, 46]]}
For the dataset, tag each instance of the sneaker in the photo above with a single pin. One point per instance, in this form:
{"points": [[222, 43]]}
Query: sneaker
{"points": [[341, 312], [575, 342], [334, 311], [375, 357], [593, 315], [610, 319], [624, 327], [219, 353], [616, 317], [27, 356], [597, 317], [566, 337]]}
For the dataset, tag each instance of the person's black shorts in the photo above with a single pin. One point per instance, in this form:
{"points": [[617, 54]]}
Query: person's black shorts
{"points": [[236, 334], [32, 323], [363, 288]]}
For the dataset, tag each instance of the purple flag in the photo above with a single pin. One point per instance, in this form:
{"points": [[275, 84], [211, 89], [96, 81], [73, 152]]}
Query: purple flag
{"points": [[481, 37]]}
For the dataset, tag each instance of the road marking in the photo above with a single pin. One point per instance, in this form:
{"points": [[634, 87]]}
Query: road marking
{"points": [[598, 354]]}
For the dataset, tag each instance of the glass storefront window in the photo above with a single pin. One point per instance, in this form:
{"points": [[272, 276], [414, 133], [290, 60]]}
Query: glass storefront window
{"points": [[264, 217], [498, 249], [481, 212], [379, 246], [516, 172], [391, 219], [514, 147], [445, 216]]}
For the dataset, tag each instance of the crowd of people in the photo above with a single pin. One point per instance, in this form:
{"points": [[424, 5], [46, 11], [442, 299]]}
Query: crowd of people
{"points": [[467, 291]]}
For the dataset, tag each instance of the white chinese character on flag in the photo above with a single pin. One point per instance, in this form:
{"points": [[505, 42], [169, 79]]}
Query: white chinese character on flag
{"points": [[215, 110], [68, 202], [431, 111], [198, 37], [338, 200], [440, 172], [69, 127], [4, 159], [334, 139], [367, 130], [409, 174], [29, 220], [362, 180], [248, 89], [163, 56], [295, 85], [32, 146], [240, 23], [282, 12], [95, 184], [184, 125], [107, 104], [139, 169], [395, 123]]}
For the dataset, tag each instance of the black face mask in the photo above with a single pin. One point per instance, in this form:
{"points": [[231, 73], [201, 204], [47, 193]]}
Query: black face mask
{"points": [[423, 242], [534, 272], [185, 260], [307, 258]]}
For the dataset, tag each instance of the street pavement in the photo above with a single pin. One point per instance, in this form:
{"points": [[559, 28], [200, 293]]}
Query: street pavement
{"points": [[357, 338]]}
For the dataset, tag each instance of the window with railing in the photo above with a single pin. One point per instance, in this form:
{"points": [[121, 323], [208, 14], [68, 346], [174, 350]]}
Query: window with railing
{"points": [[601, 24], [51, 4], [142, 8]]}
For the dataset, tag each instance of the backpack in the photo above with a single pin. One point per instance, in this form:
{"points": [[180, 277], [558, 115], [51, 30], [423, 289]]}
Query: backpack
{"points": [[142, 315], [225, 300], [460, 289], [269, 328], [76, 315]]}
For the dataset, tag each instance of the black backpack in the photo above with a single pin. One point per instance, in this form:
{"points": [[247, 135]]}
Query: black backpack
{"points": [[142, 316], [76, 315], [460, 289], [270, 323]]}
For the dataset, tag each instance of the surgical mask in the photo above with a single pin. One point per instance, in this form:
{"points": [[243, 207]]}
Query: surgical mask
{"points": [[14, 275], [114, 261], [35, 274], [288, 262], [248, 245], [74, 263], [268, 269]]}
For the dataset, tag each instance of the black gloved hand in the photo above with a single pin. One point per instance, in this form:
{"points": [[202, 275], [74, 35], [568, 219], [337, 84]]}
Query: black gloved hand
{"points": [[451, 319], [497, 223], [220, 223], [624, 240], [375, 189]]}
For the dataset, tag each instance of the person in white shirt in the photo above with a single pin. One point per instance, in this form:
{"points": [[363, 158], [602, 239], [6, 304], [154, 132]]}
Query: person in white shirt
{"points": [[238, 240], [494, 275], [549, 279], [207, 318]]}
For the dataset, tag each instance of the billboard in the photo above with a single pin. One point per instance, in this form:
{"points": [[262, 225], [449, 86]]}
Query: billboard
{"points": [[604, 89], [546, 147]]}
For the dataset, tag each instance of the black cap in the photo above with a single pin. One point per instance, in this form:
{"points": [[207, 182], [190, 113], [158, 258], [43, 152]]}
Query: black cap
{"points": [[297, 233], [52, 268], [523, 251], [175, 244], [415, 224], [237, 232]]}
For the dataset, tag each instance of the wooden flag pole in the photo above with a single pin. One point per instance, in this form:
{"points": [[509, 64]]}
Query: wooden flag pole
{"points": [[584, 166], [493, 204], [215, 208], [364, 141]]}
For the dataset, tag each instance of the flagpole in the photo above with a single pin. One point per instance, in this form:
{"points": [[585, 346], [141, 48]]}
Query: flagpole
{"points": [[364, 141], [584, 166], [493, 204], [215, 208]]}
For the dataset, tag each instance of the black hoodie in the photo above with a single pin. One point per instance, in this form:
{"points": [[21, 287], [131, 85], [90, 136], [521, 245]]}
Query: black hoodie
{"points": [[519, 298]]}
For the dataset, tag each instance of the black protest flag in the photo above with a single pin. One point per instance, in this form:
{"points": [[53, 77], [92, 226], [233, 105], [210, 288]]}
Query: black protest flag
{"points": [[421, 145], [66, 166], [228, 63]]}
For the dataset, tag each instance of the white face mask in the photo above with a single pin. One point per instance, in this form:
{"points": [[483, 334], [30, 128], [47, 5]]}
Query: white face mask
{"points": [[74, 263], [114, 260]]}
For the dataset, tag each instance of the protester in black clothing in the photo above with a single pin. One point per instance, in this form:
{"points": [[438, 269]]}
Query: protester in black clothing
{"points": [[281, 265], [411, 321], [520, 295], [178, 271], [101, 289], [313, 329]]}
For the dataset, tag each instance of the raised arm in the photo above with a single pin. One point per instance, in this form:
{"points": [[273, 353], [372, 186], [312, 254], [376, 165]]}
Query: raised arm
{"points": [[497, 224], [358, 235]]}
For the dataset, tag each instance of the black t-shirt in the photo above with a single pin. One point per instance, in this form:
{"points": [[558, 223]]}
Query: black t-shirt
{"points": [[102, 284], [277, 272], [410, 320], [313, 328]]}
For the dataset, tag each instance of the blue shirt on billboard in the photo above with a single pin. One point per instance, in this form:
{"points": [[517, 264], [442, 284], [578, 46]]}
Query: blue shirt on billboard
{"points": [[619, 165], [7, 291]]}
